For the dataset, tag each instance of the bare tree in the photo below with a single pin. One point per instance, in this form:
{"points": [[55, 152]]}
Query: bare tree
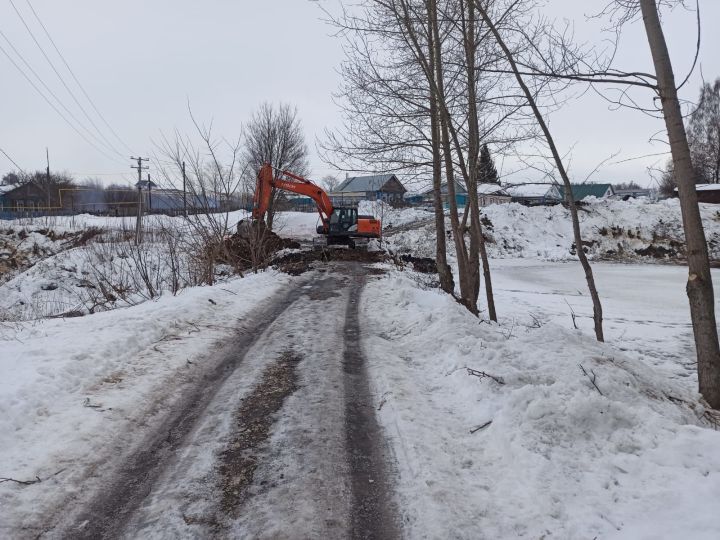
{"points": [[699, 286], [562, 171], [704, 134], [275, 135], [420, 104], [330, 182], [213, 176], [567, 61]]}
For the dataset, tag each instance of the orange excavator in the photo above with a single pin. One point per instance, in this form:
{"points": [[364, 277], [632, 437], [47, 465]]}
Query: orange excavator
{"points": [[341, 225]]}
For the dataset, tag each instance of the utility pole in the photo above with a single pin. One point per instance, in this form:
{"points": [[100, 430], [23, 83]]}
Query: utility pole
{"points": [[184, 190], [149, 194], [47, 176], [138, 223]]}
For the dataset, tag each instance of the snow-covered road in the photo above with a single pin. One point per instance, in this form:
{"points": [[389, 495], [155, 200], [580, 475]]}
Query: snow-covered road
{"points": [[276, 439]]}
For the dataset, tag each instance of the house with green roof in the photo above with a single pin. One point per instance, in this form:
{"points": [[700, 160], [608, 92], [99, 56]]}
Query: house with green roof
{"points": [[583, 191]]}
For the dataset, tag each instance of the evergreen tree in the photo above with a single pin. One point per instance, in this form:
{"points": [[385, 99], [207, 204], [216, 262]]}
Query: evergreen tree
{"points": [[488, 172]]}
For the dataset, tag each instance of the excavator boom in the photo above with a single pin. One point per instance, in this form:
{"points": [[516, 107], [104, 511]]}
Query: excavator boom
{"points": [[267, 181], [340, 224]]}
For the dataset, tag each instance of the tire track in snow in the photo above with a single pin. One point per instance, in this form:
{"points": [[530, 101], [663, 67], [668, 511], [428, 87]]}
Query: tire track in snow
{"points": [[373, 510], [117, 500]]}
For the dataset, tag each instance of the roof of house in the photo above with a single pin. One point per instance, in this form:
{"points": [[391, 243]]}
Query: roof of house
{"points": [[581, 191], [492, 189], [705, 187], [459, 189], [631, 191], [365, 183], [532, 191], [6, 188]]}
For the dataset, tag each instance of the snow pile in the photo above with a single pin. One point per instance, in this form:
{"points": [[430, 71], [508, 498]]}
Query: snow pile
{"points": [[73, 390], [556, 458], [21, 248], [394, 218], [86, 264], [290, 224], [96, 277], [611, 230]]}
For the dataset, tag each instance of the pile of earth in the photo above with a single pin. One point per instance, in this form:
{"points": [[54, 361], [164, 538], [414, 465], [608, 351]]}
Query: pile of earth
{"points": [[298, 262], [253, 246]]}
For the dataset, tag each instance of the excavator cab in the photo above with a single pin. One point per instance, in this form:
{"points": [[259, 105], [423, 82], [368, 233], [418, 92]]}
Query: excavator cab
{"points": [[346, 226], [343, 220]]}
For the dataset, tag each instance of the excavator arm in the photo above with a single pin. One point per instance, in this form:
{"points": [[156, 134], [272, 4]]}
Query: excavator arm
{"points": [[296, 184]]}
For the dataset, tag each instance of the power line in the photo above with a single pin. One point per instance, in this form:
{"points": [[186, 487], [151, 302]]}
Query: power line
{"points": [[62, 80], [49, 90], [11, 160], [72, 126], [72, 73]]}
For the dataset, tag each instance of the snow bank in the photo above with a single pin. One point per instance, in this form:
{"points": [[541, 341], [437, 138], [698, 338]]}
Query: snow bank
{"points": [[559, 460], [87, 263], [393, 218], [73, 390], [611, 229], [291, 224]]}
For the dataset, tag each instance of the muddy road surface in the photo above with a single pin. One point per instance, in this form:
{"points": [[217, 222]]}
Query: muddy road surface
{"points": [[278, 438]]}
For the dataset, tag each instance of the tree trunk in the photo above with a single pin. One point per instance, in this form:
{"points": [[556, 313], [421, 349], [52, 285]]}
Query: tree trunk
{"points": [[488, 281], [477, 240], [445, 275], [699, 285], [597, 306], [444, 120]]}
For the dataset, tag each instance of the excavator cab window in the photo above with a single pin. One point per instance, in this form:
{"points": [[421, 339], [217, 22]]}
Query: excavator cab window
{"points": [[342, 219]]}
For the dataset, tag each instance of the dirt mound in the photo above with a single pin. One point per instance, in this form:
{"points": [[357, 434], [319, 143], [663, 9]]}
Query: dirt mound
{"points": [[424, 265], [301, 261], [657, 252], [253, 246]]}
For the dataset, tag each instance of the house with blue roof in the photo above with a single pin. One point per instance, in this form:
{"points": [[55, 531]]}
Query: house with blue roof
{"points": [[379, 187]]}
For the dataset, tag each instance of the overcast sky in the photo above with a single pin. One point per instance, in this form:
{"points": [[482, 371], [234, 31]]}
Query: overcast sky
{"points": [[141, 61]]}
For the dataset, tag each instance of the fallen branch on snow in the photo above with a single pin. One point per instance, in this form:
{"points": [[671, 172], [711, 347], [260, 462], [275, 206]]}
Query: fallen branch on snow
{"points": [[21, 482], [572, 314], [30, 482], [592, 379], [383, 400], [483, 426], [483, 375]]}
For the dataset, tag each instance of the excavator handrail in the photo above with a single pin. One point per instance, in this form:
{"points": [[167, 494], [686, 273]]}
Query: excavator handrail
{"points": [[267, 180]]}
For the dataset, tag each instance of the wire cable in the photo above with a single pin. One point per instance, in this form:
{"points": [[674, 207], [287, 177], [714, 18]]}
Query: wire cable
{"points": [[19, 168], [62, 81], [74, 128], [72, 73], [48, 89]]}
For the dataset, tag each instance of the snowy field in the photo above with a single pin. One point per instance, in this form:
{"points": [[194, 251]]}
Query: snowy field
{"points": [[555, 458]]}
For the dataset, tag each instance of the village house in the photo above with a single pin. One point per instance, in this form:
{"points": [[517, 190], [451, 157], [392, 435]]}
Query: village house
{"points": [[625, 194], [534, 194], [489, 194], [31, 197], [583, 191], [706, 193], [385, 187], [460, 194]]}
